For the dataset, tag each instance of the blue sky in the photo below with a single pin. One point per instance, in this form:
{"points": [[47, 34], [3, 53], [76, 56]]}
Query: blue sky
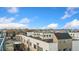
{"points": [[39, 17]]}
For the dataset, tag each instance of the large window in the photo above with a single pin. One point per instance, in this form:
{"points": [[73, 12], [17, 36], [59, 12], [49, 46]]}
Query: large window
{"points": [[49, 35], [30, 43], [27, 42], [34, 46], [70, 49], [37, 43], [44, 35], [65, 49]]}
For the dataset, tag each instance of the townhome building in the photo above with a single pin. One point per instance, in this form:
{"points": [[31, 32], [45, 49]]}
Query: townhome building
{"points": [[46, 41], [75, 40]]}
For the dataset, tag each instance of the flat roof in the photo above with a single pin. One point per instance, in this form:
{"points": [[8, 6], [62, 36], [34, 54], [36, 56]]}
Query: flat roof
{"points": [[45, 40]]}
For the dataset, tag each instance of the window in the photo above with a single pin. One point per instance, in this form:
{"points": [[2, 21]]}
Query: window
{"points": [[37, 43], [27, 42], [70, 49], [49, 35], [34, 46], [44, 35], [59, 50], [65, 49], [30, 43], [73, 34]]}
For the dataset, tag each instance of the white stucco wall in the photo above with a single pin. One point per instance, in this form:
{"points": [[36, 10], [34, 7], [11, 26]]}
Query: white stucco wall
{"points": [[75, 40], [29, 33], [75, 45], [74, 35], [40, 34], [46, 37], [46, 46], [53, 47]]}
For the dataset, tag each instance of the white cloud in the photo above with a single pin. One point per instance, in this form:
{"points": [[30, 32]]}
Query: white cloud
{"points": [[12, 10], [6, 20], [24, 21], [12, 26], [52, 26], [49, 26], [72, 24], [69, 12]]}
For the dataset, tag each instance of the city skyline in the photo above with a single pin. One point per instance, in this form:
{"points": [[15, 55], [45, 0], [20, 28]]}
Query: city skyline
{"points": [[39, 17]]}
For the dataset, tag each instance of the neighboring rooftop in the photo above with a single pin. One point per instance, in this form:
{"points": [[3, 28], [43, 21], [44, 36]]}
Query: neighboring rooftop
{"points": [[62, 35], [45, 40]]}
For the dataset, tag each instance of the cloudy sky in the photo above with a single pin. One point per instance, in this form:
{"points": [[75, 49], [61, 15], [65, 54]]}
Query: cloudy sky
{"points": [[39, 17]]}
